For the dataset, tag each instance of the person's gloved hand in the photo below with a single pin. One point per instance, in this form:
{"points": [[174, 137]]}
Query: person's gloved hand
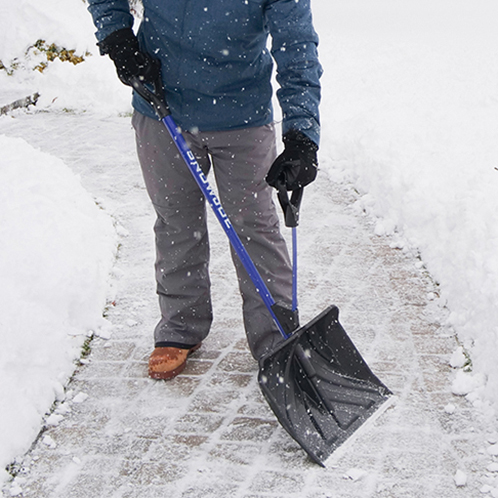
{"points": [[122, 47], [297, 166]]}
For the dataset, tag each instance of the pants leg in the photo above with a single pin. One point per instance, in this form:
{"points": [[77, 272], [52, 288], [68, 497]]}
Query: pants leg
{"points": [[241, 160], [182, 246]]}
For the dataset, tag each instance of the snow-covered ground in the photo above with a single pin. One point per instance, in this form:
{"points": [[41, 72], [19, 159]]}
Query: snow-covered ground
{"points": [[410, 117]]}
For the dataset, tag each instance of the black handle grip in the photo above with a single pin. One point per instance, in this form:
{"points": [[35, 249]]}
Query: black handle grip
{"points": [[154, 97]]}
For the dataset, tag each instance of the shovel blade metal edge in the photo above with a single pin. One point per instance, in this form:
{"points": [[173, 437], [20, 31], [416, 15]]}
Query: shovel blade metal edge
{"points": [[319, 387]]}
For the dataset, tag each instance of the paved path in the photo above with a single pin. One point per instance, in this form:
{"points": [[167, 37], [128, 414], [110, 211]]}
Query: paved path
{"points": [[209, 433]]}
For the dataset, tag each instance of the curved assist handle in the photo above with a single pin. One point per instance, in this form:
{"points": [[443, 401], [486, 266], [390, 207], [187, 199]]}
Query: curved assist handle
{"points": [[290, 206], [154, 97]]}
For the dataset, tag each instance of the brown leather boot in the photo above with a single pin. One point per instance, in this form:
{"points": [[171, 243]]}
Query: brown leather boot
{"points": [[166, 363]]}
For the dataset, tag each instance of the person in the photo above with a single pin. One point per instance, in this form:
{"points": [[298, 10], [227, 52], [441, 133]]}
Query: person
{"points": [[216, 72]]}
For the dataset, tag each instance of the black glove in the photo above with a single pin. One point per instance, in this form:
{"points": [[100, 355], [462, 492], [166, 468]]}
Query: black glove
{"points": [[297, 166], [122, 47]]}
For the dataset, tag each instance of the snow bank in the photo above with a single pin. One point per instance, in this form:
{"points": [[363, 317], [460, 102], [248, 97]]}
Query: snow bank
{"points": [[56, 253], [411, 118], [87, 86], [49, 20]]}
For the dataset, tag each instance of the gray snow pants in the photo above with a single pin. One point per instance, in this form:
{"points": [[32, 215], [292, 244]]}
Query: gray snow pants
{"points": [[240, 161]]}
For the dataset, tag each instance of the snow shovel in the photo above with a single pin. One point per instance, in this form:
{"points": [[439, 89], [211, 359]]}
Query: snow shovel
{"points": [[316, 382]]}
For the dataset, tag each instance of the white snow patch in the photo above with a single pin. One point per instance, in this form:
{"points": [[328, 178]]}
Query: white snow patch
{"points": [[465, 383], [80, 398], [105, 331], [493, 438], [15, 489], [460, 478], [458, 358], [63, 409], [54, 419], [47, 440], [450, 408], [355, 474]]}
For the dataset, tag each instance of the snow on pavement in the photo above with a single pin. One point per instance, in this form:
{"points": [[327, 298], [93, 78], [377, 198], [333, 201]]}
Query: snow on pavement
{"points": [[209, 432]]}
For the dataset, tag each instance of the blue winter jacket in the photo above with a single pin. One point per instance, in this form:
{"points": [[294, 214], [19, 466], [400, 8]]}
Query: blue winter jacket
{"points": [[215, 63]]}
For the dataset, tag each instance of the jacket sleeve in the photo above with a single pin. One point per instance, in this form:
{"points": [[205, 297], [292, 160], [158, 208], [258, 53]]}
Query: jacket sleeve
{"points": [[294, 48], [109, 16]]}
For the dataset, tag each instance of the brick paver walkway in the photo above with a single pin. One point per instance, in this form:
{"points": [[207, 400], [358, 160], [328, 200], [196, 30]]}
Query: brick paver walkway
{"points": [[209, 432]]}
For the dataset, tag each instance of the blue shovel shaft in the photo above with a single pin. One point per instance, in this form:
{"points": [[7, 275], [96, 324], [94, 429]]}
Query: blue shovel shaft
{"points": [[220, 214]]}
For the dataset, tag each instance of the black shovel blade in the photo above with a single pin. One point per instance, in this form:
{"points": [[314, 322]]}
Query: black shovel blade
{"points": [[319, 387]]}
